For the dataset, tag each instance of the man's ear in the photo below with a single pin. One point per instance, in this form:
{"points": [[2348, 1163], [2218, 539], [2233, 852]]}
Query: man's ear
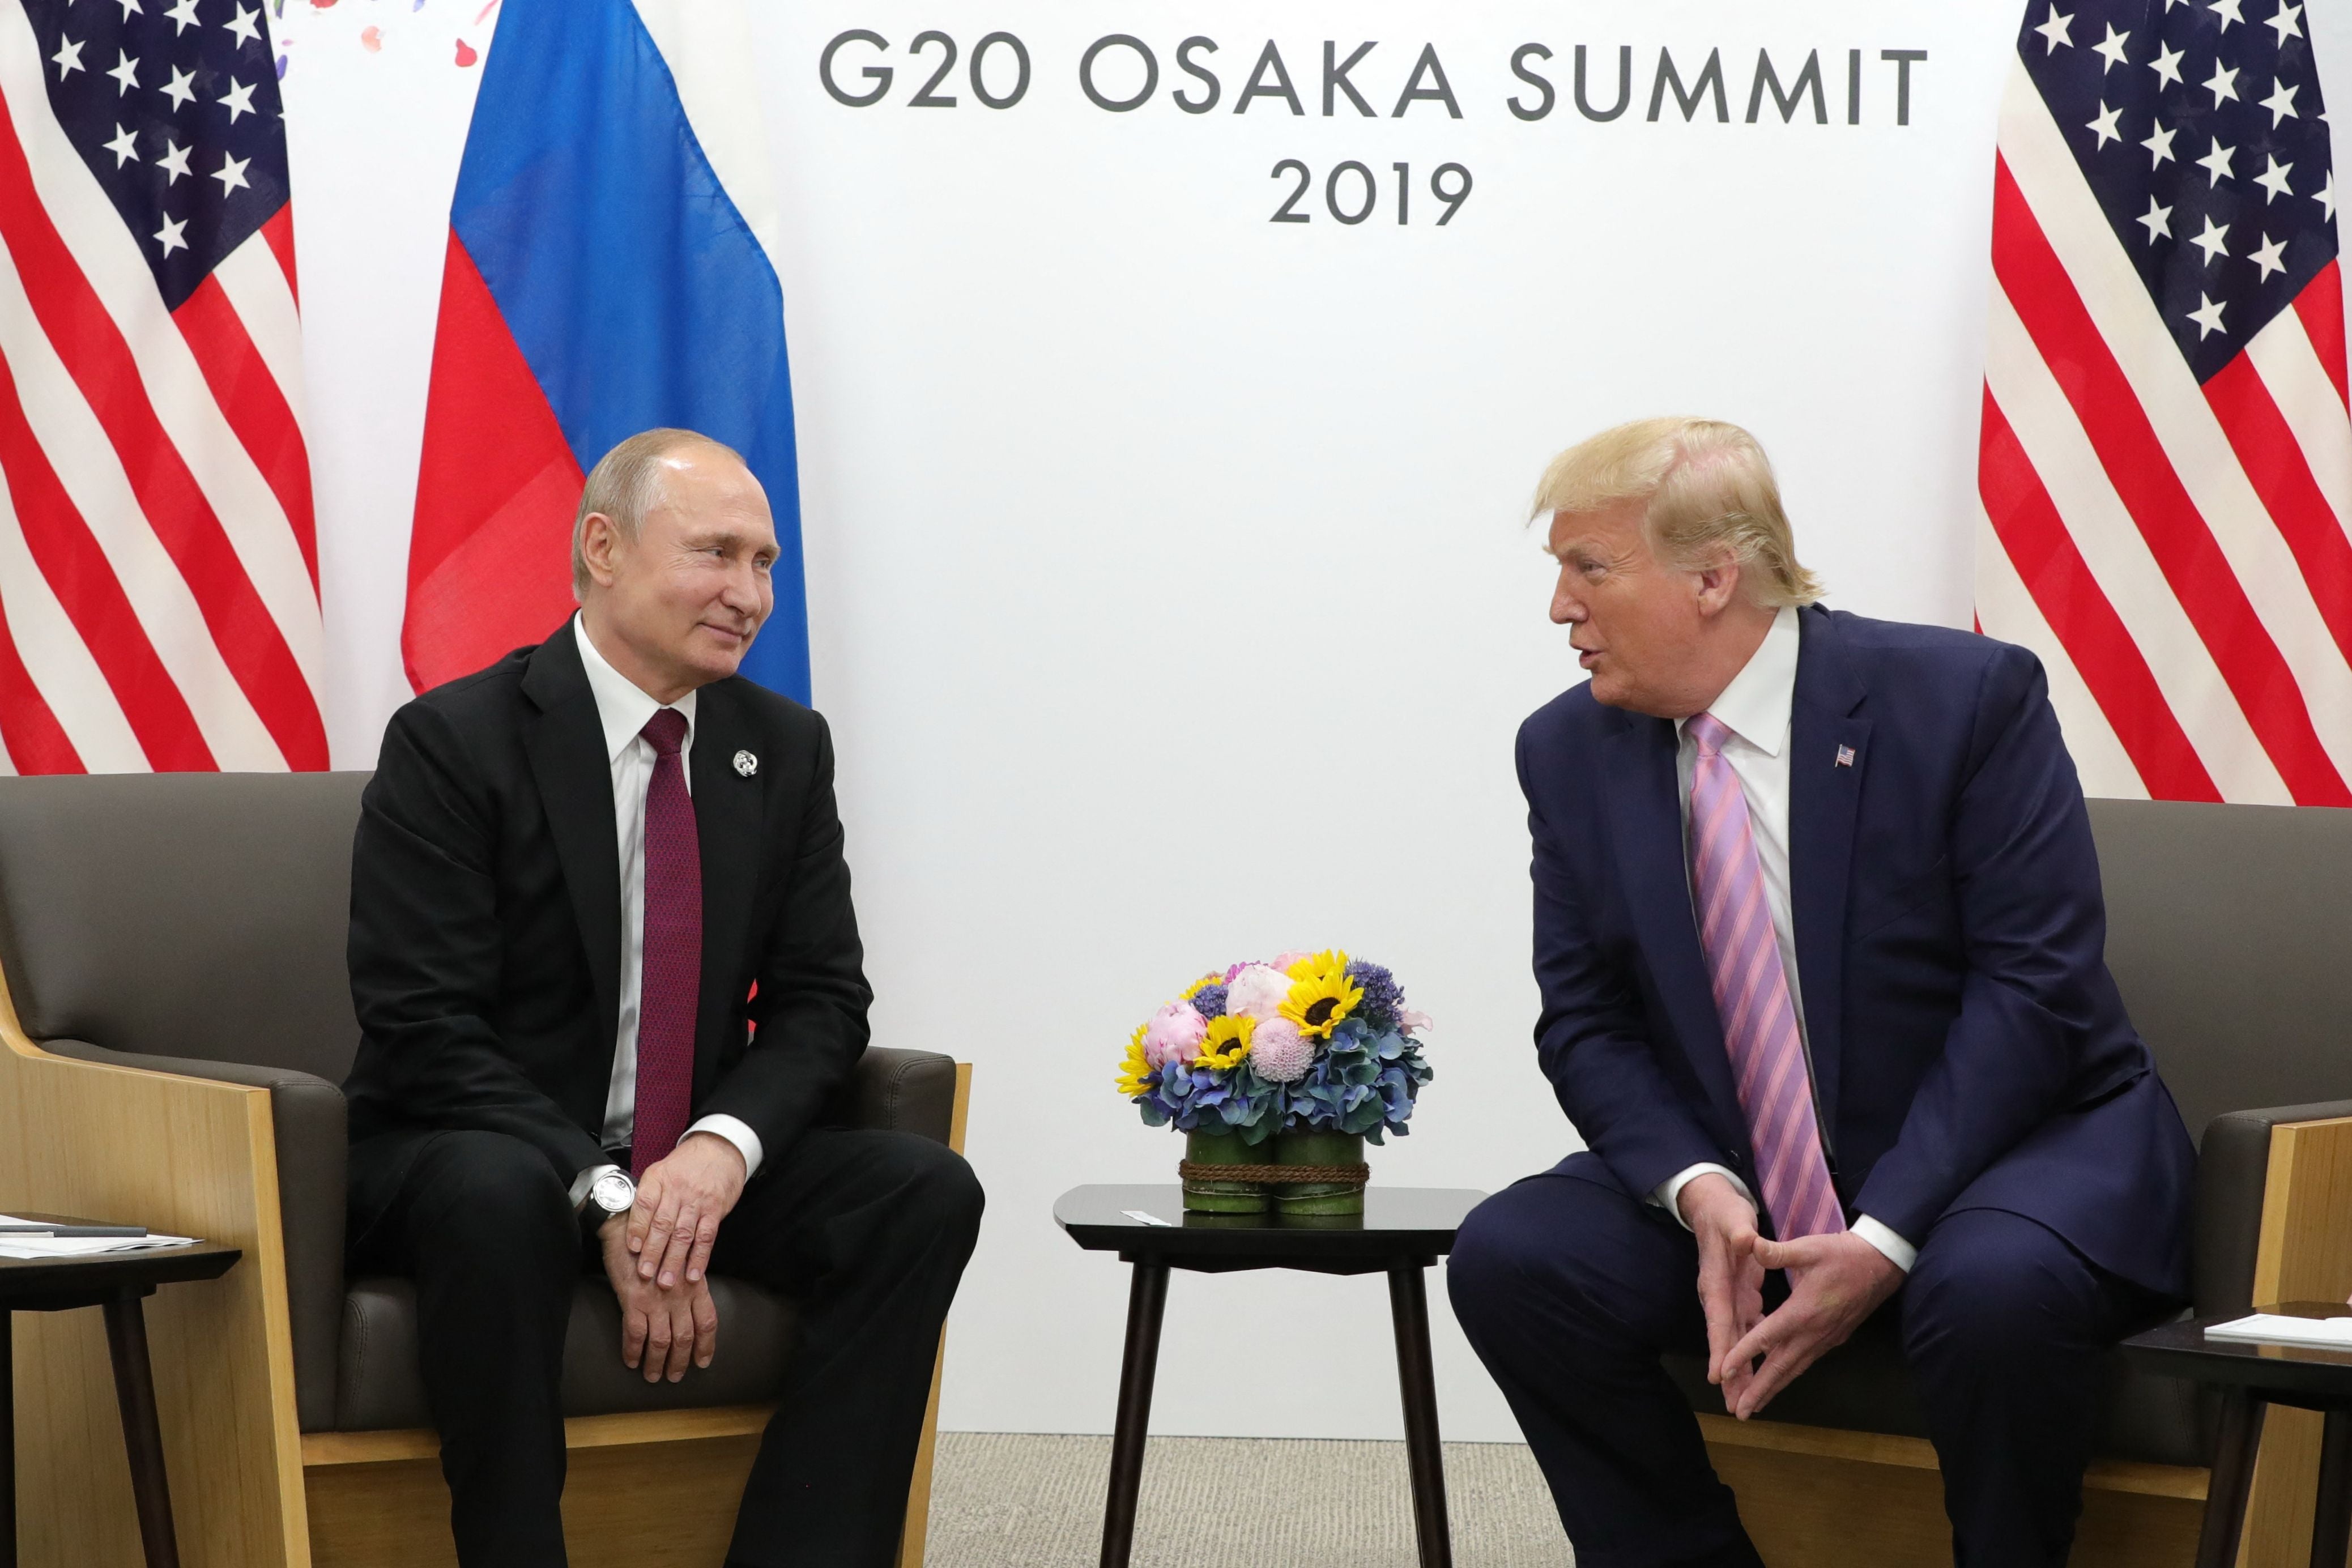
{"points": [[1719, 584], [600, 540]]}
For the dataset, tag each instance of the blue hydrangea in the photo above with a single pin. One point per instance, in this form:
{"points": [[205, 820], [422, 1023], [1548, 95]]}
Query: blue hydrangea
{"points": [[1209, 1001], [1365, 1082]]}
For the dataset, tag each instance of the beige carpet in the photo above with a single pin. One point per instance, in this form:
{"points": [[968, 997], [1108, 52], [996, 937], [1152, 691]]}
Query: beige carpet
{"points": [[1014, 1500]]}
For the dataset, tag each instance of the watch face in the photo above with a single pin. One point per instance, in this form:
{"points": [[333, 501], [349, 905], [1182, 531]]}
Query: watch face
{"points": [[613, 1191]]}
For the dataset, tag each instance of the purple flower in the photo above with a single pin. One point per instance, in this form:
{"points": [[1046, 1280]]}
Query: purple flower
{"points": [[1383, 997], [1209, 1001]]}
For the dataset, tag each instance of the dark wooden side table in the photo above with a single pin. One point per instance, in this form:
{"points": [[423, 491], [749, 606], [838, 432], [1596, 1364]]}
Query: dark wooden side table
{"points": [[2254, 1377], [117, 1282], [1402, 1232]]}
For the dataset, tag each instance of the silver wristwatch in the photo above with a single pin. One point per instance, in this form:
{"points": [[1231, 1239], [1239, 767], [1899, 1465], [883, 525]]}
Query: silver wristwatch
{"points": [[605, 1189]]}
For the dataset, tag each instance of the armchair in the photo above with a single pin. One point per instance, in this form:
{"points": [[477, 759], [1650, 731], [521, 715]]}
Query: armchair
{"points": [[174, 1020]]}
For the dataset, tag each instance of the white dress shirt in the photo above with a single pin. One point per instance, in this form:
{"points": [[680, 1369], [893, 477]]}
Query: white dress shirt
{"points": [[624, 710], [1756, 708]]}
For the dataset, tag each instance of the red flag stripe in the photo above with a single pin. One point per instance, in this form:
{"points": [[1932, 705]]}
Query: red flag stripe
{"points": [[2320, 308], [2081, 616], [29, 729], [254, 406], [279, 232], [101, 363], [2281, 475], [2137, 463], [79, 573]]}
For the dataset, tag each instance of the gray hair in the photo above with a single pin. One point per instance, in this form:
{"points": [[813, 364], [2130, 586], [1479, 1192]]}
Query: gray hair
{"points": [[625, 485], [1710, 491]]}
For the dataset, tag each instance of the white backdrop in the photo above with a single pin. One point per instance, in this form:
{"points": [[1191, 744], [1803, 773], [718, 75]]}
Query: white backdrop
{"points": [[1168, 588]]}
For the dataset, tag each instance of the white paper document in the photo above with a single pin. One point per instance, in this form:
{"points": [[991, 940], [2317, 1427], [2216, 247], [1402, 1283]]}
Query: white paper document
{"points": [[36, 1246], [2269, 1329]]}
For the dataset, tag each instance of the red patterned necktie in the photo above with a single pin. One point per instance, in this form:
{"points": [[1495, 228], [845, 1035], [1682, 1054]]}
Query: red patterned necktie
{"points": [[672, 977], [1751, 997]]}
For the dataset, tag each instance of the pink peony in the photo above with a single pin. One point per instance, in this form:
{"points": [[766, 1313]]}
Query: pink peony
{"points": [[1283, 961], [1175, 1035], [1412, 1022], [1258, 991], [1279, 1052]]}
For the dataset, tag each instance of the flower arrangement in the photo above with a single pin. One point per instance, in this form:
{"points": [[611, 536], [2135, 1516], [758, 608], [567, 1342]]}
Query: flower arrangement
{"points": [[1305, 1042]]}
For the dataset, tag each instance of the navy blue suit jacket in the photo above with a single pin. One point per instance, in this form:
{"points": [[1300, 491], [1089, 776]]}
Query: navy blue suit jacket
{"points": [[1969, 1049]]}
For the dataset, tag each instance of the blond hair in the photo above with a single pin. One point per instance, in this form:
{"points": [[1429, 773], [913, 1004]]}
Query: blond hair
{"points": [[625, 485], [1710, 492]]}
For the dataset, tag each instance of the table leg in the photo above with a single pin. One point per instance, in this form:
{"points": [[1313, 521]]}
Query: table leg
{"points": [[2331, 1517], [142, 1434], [1424, 1456], [7, 1439], [1147, 1299], [2234, 1477]]}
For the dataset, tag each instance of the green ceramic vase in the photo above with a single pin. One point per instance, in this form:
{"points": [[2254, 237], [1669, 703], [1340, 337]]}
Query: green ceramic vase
{"points": [[1320, 1198], [1203, 1196]]}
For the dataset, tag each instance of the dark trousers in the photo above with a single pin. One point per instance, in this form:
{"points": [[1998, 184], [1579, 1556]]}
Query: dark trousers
{"points": [[866, 1232], [1570, 1290]]}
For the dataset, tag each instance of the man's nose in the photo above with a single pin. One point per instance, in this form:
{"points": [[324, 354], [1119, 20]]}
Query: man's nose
{"points": [[1567, 609], [741, 593]]}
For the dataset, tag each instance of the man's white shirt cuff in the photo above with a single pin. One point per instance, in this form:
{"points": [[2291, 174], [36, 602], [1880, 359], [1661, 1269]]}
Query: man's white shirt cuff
{"points": [[1669, 1194], [738, 1131], [1899, 1252]]}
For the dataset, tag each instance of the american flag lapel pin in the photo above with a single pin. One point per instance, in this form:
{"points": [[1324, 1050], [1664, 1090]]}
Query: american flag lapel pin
{"points": [[1845, 756]]}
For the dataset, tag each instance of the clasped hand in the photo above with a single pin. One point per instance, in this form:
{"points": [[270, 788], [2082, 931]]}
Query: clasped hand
{"points": [[658, 1256], [1835, 1282]]}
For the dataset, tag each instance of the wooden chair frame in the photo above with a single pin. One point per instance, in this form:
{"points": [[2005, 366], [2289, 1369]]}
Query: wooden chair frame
{"points": [[1815, 1497], [249, 1488]]}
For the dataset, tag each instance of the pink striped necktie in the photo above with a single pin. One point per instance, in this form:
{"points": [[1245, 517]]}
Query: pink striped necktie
{"points": [[1751, 997], [672, 977]]}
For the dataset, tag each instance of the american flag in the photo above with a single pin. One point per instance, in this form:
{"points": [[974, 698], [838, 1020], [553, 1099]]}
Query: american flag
{"points": [[159, 598], [2165, 460]]}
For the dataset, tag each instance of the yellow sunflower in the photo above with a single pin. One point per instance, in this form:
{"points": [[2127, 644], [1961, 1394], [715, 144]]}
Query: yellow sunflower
{"points": [[1135, 1073], [1321, 995], [1228, 1041]]}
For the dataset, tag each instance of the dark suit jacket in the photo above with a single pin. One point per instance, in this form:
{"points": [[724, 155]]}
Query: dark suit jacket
{"points": [[1969, 1049], [485, 921]]}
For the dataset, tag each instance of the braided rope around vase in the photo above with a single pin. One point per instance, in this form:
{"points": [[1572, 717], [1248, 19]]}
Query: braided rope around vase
{"points": [[1274, 1175]]}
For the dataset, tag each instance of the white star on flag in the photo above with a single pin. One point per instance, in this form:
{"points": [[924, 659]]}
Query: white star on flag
{"points": [[239, 99], [184, 14], [2326, 195], [2284, 20], [168, 236], [231, 174], [129, 7], [2273, 179], [2159, 146], [2270, 257], [68, 60], [2222, 83], [2208, 320], [2104, 125], [2216, 163], [2213, 242], [181, 87], [2111, 48], [174, 161], [2281, 102], [2228, 11], [242, 26], [2053, 31], [125, 72], [125, 145], [2158, 220], [2166, 65]]}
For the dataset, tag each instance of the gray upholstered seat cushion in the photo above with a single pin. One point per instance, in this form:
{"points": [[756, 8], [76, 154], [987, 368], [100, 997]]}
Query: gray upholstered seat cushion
{"points": [[378, 1385]]}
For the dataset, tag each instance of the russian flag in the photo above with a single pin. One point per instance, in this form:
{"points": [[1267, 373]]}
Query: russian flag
{"points": [[610, 270]]}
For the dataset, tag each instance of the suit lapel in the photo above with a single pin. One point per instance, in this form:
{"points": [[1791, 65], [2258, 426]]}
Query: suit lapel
{"points": [[1645, 816], [727, 806], [565, 742], [1823, 796]]}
